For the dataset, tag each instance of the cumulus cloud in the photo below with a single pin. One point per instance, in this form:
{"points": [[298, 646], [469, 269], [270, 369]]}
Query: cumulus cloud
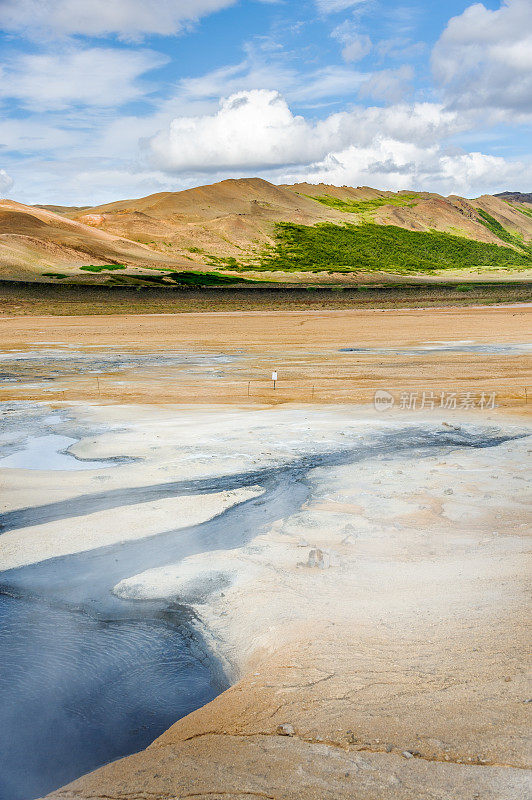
{"points": [[78, 77], [389, 164], [250, 129], [256, 133], [257, 129], [127, 18], [6, 182], [483, 172], [396, 147], [483, 59]]}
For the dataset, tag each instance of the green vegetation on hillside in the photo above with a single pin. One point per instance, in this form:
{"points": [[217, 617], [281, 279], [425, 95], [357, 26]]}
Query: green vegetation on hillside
{"points": [[186, 278], [344, 248], [104, 267], [207, 279], [225, 262], [526, 211], [362, 206], [501, 232], [516, 207]]}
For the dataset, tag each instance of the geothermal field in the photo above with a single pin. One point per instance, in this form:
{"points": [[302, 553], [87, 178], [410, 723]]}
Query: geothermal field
{"points": [[214, 586]]}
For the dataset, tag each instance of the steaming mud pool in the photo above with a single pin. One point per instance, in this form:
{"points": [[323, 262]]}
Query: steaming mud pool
{"points": [[77, 692], [113, 579]]}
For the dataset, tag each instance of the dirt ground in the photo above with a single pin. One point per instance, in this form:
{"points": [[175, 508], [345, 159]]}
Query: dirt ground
{"points": [[363, 290], [303, 347]]}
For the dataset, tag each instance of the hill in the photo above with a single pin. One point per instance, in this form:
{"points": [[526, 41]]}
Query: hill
{"points": [[243, 225], [34, 240], [516, 197]]}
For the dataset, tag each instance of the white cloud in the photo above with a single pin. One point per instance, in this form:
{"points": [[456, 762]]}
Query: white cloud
{"points": [[355, 45], [400, 47], [388, 164], [90, 77], [483, 59], [17, 135], [333, 83], [255, 133], [84, 181], [334, 6], [6, 182], [357, 48], [423, 123], [114, 182], [127, 18], [263, 69], [392, 148], [257, 129], [257, 73], [485, 173], [388, 84], [251, 129]]}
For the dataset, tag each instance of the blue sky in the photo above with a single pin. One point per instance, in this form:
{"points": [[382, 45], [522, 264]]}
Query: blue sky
{"points": [[122, 98]]}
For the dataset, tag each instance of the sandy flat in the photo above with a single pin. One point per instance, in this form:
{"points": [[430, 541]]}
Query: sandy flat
{"points": [[303, 347]]}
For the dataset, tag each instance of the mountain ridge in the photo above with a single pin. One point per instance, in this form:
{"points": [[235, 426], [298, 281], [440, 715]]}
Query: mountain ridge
{"points": [[229, 224], [517, 197]]}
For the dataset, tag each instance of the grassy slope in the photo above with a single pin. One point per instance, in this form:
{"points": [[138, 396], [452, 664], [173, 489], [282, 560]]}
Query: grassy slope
{"points": [[365, 206], [189, 278], [502, 233], [381, 247]]}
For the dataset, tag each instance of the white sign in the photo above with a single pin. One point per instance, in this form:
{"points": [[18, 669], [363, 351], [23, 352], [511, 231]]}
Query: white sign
{"points": [[274, 376]]}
